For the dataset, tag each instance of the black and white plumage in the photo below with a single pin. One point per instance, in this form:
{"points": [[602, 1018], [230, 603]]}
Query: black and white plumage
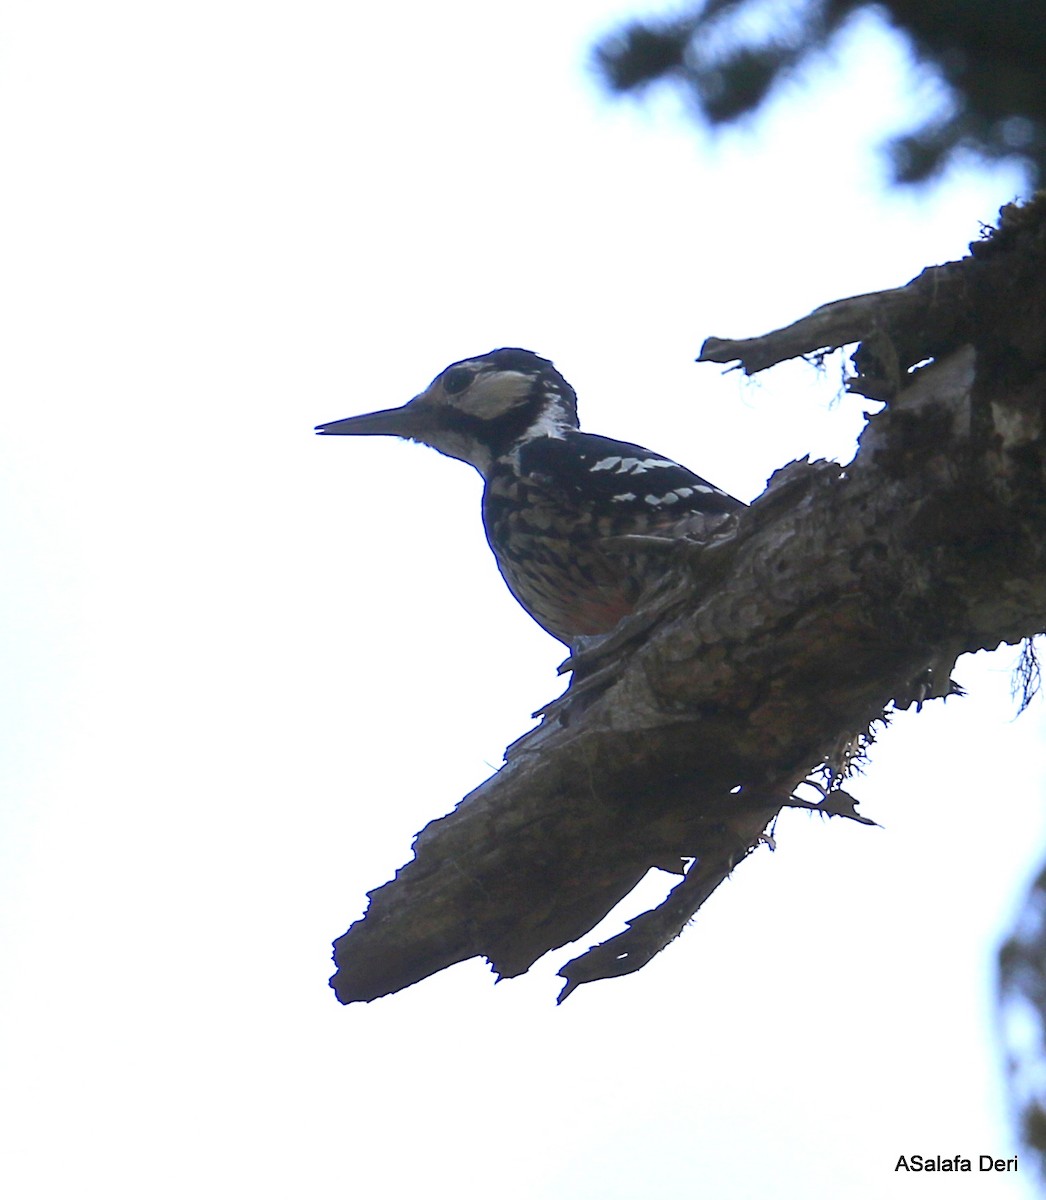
{"points": [[557, 501]]}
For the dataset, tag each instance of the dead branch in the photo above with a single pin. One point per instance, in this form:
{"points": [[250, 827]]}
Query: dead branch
{"points": [[836, 594]]}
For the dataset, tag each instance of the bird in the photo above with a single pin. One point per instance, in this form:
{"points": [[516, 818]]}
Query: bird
{"points": [[566, 513]]}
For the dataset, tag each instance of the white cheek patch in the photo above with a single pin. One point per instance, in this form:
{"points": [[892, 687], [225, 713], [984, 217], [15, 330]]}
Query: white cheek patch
{"points": [[630, 466], [492, 395]]}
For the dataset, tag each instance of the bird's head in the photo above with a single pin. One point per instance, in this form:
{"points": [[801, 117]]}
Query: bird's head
{"points": [[478, 409]]}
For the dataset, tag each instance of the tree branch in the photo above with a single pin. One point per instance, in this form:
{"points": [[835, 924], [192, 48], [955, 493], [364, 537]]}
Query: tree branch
{"points": [[766, 657], [924, 311]]}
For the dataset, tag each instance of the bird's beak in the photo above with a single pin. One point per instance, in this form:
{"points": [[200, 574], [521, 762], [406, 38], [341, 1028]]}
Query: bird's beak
{"points": [[410, 421]]}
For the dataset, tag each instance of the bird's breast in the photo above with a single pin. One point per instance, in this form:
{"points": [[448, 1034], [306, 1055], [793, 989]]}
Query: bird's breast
{"points": [[548, 548]]}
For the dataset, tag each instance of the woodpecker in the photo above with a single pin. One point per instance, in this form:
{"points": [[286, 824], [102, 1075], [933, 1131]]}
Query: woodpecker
{"points": [[556, 501]]}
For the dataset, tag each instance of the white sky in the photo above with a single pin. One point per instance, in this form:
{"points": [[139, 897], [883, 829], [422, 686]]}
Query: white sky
{"points": [[243, 666]]}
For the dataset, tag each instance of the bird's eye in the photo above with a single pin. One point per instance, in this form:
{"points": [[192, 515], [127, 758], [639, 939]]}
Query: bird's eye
{"points": [[456, 380]]}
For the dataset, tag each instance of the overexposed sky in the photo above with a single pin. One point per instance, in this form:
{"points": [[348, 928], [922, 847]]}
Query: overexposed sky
{"points": [[243, 665]]}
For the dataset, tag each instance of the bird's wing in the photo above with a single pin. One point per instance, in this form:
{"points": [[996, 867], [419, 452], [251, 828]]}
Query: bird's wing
{"points": [[622, 477]]}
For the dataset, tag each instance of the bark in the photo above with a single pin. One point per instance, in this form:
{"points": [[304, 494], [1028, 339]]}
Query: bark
{"points": [[768, 657]]}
